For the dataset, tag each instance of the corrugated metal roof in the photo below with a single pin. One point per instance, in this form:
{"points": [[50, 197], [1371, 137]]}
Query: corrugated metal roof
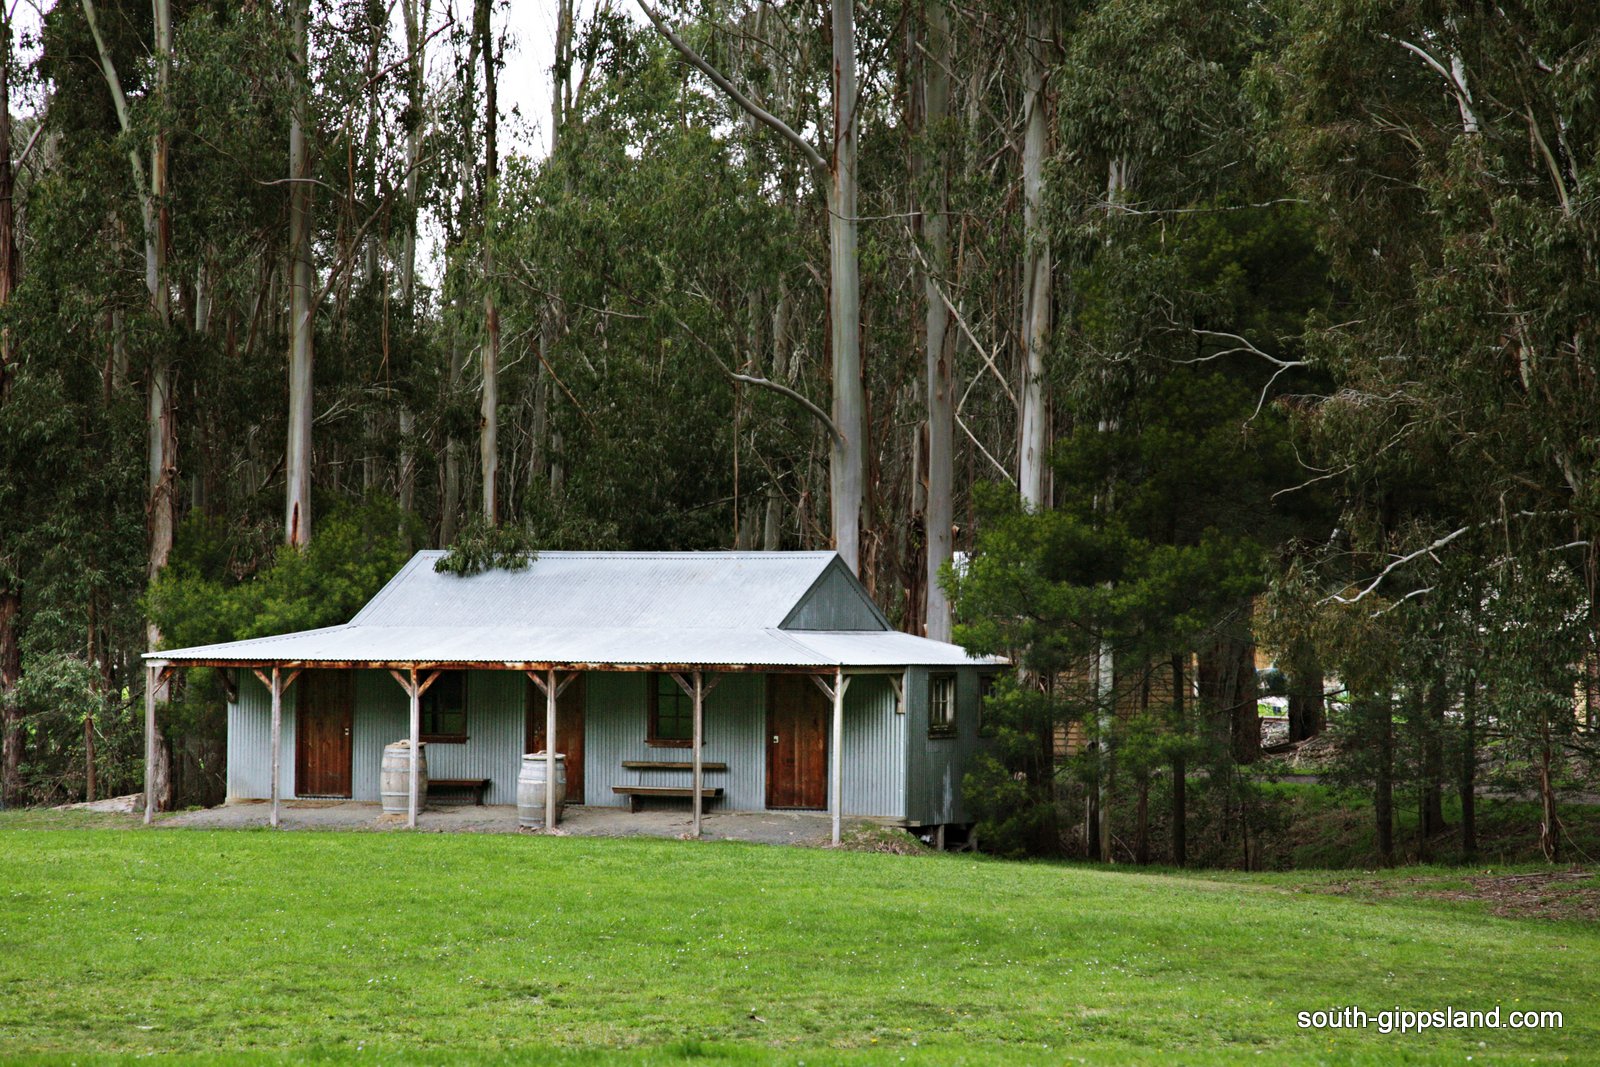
{"points": [[599, 646], [627, 590], [613, 608]]}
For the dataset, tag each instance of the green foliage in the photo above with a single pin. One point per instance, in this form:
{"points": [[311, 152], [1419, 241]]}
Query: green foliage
{"points": [[480, 547], [196, 601]]}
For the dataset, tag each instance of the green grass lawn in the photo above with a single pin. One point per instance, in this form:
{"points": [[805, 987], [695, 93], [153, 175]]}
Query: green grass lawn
{"points": [[388, 948]]}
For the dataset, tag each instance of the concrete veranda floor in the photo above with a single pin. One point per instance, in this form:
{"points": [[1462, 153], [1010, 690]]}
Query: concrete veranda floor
{"points": [[767, 827]]}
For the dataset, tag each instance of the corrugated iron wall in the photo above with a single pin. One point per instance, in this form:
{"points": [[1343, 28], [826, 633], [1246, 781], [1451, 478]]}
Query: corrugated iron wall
{"points": [[616, 724], [874, 749], [382, 715], [493, 748], [250, 742], [936, 764]]}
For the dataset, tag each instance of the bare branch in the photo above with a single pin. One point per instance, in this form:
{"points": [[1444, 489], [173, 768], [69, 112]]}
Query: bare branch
{"points": [[778, 387], [756, 111], [961, 320], [1244, 345], [1399, 562], [979, 445]]}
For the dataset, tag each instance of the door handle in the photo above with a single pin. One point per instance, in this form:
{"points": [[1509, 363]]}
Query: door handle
{"points": [[774, 738]]}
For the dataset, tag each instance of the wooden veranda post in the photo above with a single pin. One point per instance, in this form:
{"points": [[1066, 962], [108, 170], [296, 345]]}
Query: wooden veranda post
{"points": [[696, 688], [835, 693], [551, 695], [699, 737], [276, 684], [414, 690], [277, 740], [836, 800], [416, 740], [150, 743]]}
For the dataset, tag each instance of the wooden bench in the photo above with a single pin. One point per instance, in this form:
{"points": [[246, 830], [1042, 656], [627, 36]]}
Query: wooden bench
{"points": [[669, 765], [635, 792], [476, 786]]}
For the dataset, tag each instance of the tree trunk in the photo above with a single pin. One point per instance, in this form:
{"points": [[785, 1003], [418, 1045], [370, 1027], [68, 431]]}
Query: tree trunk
{"points": [[1180, 809], [939, 355], [1549, 821], [416, 47], [297, 505], [1307, 706], [848, 470], [10, 716], [10, 601], [1431, 816], [88, 758], [1382, 727], [489, 410], [1469, 771], [1227, 678], [1034, 432], [1141, 822], [162, 432], [1106, 710]]}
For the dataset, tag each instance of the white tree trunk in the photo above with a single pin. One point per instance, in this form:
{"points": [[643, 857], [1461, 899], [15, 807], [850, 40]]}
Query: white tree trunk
{"points": [[297, 466], [939, 516], [848, 470], [489, 409], [1034, 443], [415, 15]]}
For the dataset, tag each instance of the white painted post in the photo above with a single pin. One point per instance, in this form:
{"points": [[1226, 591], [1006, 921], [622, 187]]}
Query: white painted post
{"points": [[416, 742], [699, 738], [836, 786], [149, 744], [550, 695], [277, 740]]}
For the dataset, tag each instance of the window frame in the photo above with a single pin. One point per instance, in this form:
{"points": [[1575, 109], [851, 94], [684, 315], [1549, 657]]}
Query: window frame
{"points": [[653, 736], [987, 682], [433, 715], [945, 729]]}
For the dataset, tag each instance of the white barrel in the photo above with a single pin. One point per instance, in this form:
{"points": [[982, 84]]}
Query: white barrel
{"points": [[530, 789], [394, 779]]}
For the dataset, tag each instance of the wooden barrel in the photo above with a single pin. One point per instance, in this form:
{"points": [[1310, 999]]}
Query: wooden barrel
{"points": [[530, 789], [394, 779]]}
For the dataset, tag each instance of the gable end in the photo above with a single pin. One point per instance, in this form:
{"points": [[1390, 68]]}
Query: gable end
{"points": [[836, 601]]}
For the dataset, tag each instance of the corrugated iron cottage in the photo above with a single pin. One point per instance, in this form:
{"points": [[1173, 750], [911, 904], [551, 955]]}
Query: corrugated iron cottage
{"points": [[802, 695]]}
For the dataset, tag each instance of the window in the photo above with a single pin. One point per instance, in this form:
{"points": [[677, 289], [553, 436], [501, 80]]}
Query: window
{"points": [[444, 709], [942, 705], [986, 685], [671, 713]]}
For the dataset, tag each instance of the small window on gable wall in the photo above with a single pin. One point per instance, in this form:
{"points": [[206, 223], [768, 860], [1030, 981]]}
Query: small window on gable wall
{"points": [[986, 686], [942, 705]]}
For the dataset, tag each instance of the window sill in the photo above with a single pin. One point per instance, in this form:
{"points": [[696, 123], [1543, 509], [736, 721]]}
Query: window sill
{"points": [[444, 739], [655, 743]]}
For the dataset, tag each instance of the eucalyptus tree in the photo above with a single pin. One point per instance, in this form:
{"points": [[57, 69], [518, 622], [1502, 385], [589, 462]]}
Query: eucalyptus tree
{"points": [[10, 599], [489, 409], [298, 459], [834, 173], [1451, 149], [939, 339]]}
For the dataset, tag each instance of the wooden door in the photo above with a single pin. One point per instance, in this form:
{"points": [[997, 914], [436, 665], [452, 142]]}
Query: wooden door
{"points": [[569, 731], [324, 712], [797, 743]]}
